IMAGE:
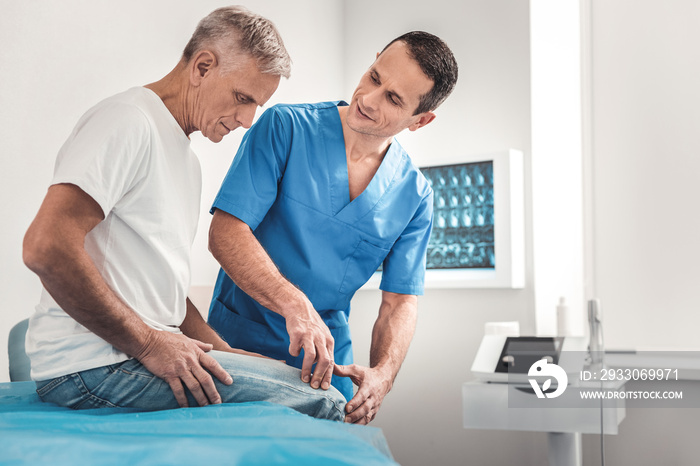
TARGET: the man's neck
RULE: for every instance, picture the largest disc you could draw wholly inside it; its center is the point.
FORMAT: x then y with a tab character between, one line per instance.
173	91
364	154
359	146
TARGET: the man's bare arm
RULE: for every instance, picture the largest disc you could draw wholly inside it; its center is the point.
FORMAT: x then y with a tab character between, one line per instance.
54	249
195	327
247	263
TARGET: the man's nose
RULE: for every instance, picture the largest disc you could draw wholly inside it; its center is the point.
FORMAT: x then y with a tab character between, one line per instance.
371	99
246	117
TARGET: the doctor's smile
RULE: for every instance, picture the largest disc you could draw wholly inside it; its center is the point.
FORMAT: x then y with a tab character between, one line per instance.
363	114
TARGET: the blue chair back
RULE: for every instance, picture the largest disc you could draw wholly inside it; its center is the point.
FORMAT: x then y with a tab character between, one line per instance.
19	361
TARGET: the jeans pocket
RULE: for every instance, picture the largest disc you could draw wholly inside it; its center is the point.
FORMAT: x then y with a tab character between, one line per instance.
70	391
131	385
44	387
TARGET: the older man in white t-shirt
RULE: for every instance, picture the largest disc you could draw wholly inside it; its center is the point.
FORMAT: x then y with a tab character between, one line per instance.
111	241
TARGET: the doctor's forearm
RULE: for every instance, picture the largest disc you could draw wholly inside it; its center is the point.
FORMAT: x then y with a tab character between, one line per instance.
234	246
393	332
243	259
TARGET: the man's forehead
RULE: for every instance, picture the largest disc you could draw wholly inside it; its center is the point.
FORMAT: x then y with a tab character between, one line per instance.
397	50
247	79
396	62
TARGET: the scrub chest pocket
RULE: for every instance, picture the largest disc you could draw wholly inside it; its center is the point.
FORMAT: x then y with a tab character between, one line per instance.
362	264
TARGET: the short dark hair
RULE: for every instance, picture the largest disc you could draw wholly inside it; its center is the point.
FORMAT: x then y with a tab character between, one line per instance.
437	62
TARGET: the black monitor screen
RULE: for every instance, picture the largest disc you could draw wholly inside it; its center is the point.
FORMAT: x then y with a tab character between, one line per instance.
519	353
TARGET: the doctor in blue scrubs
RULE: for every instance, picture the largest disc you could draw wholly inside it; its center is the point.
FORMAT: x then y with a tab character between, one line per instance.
317	198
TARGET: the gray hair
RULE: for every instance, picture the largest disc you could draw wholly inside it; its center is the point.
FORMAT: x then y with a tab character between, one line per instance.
234	32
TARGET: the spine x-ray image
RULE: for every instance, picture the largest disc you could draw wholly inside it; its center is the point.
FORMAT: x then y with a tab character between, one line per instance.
463	229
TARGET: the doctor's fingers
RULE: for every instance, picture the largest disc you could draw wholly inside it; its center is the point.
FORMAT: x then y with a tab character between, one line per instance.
363	413
322	374
309	359
326	383
324	367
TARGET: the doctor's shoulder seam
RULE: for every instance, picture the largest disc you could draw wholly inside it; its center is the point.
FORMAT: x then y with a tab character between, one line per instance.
292	110
308	106
300	116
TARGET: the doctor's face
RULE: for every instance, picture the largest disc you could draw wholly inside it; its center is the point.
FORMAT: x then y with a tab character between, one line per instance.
384	102
228	101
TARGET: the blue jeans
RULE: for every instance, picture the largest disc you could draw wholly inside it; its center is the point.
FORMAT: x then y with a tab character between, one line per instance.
130	385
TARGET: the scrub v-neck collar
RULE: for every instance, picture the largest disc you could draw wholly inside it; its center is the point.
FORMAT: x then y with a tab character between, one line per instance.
342	208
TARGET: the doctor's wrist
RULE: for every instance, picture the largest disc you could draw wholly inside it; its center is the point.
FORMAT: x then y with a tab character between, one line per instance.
385	375
297	306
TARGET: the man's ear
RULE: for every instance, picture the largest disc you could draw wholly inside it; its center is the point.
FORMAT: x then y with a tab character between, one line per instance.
423	119
201	65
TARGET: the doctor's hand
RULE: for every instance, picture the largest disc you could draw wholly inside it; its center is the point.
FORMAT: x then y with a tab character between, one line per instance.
373	385
308	331
179	360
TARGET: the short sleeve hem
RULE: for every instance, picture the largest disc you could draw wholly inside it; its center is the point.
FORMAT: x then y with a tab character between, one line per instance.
88	188
402	288
237	211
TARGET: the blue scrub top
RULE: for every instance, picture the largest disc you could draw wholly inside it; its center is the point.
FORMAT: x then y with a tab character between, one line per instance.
289	183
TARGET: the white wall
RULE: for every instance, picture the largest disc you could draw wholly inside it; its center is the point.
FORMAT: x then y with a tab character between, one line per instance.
60	58
645	166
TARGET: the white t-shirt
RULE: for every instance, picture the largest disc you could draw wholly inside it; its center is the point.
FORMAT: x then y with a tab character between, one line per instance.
131	156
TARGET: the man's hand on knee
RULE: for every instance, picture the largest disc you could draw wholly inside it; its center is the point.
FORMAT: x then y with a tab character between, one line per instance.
179	360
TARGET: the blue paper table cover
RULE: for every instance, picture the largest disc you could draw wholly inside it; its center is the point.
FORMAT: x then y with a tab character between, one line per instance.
33	432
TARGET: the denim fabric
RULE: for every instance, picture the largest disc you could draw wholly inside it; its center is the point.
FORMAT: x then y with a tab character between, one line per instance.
130	385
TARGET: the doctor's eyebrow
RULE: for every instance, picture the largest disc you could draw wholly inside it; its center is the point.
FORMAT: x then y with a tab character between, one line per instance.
374	74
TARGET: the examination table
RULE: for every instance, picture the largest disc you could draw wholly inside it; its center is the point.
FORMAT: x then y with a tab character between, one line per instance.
33	432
